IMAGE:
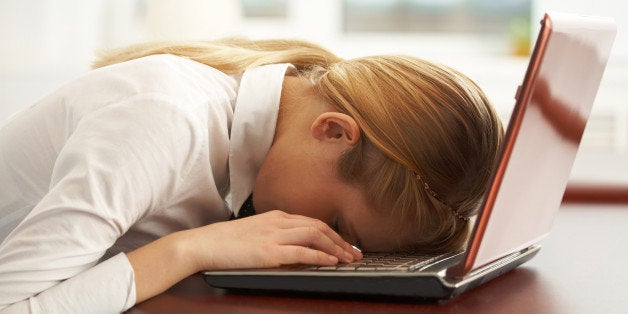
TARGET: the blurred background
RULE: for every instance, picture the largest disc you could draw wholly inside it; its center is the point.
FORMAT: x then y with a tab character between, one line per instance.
48	42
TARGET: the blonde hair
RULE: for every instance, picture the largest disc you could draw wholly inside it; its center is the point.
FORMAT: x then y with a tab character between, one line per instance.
427	129
431	140
229	55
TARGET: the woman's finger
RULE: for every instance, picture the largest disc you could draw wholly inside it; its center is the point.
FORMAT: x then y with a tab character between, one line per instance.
312	237
295	254
284	220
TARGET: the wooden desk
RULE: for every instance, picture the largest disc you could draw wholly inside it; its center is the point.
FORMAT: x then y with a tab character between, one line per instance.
582	268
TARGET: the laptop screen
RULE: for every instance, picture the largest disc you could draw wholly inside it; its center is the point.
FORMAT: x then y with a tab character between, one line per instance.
543	135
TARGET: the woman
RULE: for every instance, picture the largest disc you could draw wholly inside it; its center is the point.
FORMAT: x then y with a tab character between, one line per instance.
121	183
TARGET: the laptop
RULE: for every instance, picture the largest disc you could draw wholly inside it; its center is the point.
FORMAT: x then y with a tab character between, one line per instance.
552	107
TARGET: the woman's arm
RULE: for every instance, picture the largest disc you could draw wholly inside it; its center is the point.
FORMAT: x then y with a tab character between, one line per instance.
266	240
120	163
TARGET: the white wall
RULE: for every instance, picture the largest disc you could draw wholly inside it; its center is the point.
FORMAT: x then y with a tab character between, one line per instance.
44	42
48	42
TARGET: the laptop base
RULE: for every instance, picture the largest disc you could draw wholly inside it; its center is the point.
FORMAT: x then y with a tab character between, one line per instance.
422	285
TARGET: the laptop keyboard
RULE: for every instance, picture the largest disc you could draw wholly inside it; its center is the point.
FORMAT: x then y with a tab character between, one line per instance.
385	262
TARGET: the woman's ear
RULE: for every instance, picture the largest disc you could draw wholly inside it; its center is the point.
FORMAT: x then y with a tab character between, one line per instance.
336	127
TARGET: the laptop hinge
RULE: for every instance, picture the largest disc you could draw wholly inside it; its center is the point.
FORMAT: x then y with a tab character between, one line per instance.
479	271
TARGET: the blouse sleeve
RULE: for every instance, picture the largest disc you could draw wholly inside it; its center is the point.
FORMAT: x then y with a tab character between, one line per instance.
121	163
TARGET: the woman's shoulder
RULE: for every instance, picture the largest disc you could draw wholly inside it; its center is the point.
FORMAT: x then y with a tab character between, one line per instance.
188	85
169	74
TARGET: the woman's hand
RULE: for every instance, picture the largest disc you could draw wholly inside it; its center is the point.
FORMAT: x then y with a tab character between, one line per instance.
266	240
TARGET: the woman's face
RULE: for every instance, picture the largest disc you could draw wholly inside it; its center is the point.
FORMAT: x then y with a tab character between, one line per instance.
299	176
297	185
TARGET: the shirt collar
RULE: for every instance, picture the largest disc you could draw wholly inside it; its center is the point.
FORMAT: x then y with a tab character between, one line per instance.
253	127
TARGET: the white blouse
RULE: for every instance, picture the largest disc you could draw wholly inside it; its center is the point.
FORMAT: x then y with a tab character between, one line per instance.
116	159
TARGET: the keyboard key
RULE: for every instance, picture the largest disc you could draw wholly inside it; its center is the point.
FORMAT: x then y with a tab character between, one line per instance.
327	268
